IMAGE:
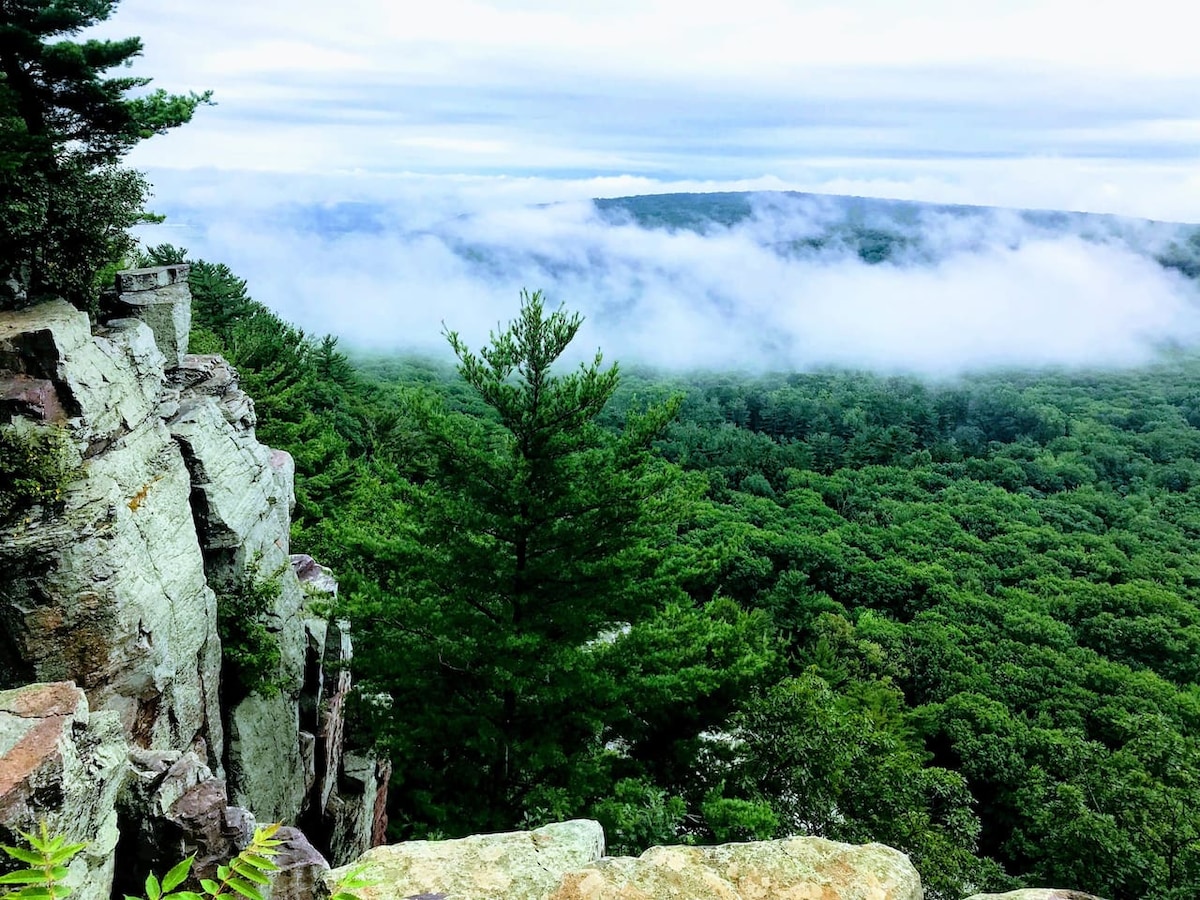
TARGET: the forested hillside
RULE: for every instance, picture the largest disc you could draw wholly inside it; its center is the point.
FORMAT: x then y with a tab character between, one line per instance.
958	617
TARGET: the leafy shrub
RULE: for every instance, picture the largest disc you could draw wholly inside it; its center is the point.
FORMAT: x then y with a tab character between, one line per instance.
35	467
245	875
639	815
249	648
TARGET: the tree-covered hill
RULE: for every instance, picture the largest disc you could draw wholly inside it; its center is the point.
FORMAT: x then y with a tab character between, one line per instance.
958	617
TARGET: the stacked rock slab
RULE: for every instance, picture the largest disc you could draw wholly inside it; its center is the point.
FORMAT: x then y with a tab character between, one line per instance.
62	765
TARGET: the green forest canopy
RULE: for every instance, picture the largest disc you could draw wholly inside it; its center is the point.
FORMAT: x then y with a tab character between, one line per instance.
959	618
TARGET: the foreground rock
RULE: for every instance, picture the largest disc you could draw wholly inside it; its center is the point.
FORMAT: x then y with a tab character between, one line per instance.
518	865
63	766
803	868
173	806
1037	894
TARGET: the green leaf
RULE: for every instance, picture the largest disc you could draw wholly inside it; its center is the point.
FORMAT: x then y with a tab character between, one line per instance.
259	862
24	876
64	854
29	856
246	890
210	886
178	874
249	872
153	889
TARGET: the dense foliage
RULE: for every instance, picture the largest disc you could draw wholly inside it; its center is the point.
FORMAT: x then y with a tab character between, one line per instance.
64	128
957	617
250	652
36	463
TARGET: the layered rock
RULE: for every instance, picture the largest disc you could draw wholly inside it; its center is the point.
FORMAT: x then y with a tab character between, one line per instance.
114	588
62	765
110	593
800	868
1036	894
159	296
519	865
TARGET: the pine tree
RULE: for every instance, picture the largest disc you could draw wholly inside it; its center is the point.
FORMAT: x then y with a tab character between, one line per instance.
535	532
64	127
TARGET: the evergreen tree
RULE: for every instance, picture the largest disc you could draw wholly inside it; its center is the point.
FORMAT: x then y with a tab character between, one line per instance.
64	127
535	534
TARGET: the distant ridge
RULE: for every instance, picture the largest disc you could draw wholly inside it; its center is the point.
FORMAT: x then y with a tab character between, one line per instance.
899	231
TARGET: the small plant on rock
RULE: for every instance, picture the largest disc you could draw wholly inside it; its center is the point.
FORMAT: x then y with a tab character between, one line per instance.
35	468
249	648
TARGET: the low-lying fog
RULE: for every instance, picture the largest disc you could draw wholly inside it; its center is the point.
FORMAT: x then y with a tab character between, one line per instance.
782	287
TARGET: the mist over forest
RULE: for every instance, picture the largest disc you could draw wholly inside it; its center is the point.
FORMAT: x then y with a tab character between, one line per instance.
738	280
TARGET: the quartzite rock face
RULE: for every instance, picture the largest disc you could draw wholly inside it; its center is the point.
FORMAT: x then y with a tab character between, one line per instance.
110	592
518	865
241	499
64	766
802	868
113	588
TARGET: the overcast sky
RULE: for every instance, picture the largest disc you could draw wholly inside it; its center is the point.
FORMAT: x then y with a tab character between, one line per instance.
1082	104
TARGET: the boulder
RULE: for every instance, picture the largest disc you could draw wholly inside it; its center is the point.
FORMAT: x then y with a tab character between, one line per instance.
62	765
1036	894
105	384
173	806
301	868
802	868
521	865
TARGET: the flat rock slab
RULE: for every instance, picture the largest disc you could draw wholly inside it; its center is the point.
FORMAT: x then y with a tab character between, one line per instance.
1037	894
518	865
803	868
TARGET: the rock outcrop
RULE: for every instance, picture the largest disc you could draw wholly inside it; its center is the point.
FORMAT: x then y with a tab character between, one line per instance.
517	865
116	588
62	765
110	592
565	862
801	868
1036	894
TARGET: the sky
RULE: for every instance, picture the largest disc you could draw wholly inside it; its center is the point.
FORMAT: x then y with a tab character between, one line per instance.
1082	104
452	120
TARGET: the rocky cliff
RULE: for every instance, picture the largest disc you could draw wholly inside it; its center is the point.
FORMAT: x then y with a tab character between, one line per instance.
110	596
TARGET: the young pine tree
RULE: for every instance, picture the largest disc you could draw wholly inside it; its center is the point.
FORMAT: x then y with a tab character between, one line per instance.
533	532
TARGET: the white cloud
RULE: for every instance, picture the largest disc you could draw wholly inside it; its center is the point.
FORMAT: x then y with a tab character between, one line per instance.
1001	292
675	90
